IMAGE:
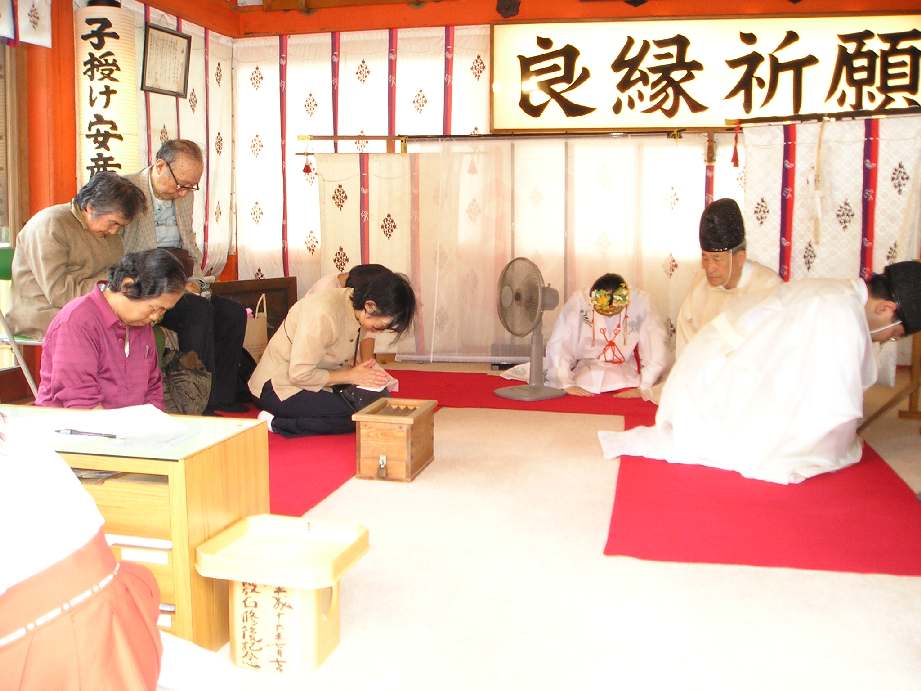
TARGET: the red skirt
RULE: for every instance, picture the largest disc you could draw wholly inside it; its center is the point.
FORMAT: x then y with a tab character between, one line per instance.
109	640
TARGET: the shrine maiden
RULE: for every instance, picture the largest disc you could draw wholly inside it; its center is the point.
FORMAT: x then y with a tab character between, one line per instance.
71	616
725	273
605	339
773	387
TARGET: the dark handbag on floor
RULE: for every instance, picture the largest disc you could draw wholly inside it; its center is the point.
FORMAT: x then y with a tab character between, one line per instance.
358	398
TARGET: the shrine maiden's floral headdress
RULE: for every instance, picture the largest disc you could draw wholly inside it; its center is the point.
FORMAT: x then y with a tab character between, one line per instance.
610	302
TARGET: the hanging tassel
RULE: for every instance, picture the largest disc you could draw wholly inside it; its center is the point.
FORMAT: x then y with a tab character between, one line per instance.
735	146
817	187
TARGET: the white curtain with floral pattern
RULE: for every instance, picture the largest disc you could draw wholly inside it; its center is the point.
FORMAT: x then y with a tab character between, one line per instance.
420	84
469	77
257	155
830	163
308	112
219	159
363	89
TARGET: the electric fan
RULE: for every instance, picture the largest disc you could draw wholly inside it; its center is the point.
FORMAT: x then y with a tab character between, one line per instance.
523	297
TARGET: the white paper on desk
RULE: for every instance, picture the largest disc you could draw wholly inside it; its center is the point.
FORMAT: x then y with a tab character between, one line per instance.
391	385
145	422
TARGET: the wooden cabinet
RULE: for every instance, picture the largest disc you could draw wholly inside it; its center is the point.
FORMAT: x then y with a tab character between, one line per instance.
168	499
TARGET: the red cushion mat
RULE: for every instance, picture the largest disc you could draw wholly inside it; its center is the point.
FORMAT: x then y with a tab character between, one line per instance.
862	519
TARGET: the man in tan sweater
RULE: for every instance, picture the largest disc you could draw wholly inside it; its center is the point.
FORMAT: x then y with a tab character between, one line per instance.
63	250
213	329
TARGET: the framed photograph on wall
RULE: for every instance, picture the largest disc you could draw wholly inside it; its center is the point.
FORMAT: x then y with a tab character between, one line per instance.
167	54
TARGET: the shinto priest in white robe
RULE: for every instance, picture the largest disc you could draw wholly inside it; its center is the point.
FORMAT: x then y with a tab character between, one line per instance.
771	388
704	301
599	353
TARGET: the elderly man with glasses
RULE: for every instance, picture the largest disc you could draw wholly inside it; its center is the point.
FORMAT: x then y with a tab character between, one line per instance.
212	329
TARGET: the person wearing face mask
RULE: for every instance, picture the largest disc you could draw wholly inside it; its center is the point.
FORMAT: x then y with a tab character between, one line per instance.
100	349
726	272
299	380
772	388
605	339
62	251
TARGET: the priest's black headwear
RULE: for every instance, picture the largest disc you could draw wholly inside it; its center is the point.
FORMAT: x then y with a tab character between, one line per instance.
905	285
721	226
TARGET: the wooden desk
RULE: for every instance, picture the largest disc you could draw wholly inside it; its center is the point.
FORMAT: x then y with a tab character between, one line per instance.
173	497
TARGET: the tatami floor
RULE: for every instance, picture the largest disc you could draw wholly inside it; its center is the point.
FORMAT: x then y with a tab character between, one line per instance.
487	573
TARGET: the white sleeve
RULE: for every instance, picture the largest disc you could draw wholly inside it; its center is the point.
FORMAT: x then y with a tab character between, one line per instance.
562	346
652	345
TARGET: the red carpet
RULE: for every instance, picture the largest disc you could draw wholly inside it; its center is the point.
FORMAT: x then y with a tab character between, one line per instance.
469	390
305	470
862	519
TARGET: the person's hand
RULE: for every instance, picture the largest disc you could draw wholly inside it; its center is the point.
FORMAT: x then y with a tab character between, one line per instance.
368	373
577	391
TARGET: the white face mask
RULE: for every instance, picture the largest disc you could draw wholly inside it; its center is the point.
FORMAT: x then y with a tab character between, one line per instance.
883	328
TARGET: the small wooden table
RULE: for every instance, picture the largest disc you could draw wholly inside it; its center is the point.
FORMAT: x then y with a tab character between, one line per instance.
169	499
909	389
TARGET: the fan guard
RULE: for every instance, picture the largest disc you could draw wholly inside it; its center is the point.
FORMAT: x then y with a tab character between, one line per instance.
523	297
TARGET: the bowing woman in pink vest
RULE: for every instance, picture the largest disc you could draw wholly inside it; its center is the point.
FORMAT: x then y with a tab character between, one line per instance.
100	349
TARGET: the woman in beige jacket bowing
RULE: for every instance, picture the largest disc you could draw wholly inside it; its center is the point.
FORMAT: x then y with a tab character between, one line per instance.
299	380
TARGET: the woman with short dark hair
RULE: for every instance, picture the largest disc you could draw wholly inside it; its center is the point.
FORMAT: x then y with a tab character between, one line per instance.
312	360
99	350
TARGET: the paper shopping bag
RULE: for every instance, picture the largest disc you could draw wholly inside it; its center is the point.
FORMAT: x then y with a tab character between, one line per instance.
257	335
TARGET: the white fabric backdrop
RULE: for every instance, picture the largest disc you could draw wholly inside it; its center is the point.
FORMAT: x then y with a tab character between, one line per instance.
363	80
257	155
420	81
221	219
309	111
470	81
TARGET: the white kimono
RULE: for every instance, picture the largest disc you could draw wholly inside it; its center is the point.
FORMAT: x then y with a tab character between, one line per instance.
704	301
772	388
603	356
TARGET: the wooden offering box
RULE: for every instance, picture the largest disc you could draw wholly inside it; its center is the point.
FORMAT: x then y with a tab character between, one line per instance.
395	439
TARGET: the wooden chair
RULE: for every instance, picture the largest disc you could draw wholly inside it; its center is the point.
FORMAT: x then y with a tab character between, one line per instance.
8	337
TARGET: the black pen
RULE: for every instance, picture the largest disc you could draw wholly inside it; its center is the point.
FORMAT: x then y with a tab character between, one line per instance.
85	434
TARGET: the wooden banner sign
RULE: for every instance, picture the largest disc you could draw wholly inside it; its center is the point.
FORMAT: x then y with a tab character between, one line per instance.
701	73
107	93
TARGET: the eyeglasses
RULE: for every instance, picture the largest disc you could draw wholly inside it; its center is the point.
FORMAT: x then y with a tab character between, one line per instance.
179	186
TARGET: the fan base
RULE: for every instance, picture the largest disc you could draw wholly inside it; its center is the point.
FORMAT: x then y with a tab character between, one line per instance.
529	392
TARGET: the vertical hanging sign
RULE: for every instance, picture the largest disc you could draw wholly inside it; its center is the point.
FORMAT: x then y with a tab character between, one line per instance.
106	66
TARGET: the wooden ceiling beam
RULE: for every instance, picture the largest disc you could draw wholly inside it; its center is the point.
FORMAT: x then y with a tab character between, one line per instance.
258	21
215	15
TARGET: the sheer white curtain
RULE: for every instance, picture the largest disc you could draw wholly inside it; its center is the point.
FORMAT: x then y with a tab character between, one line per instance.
460	210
